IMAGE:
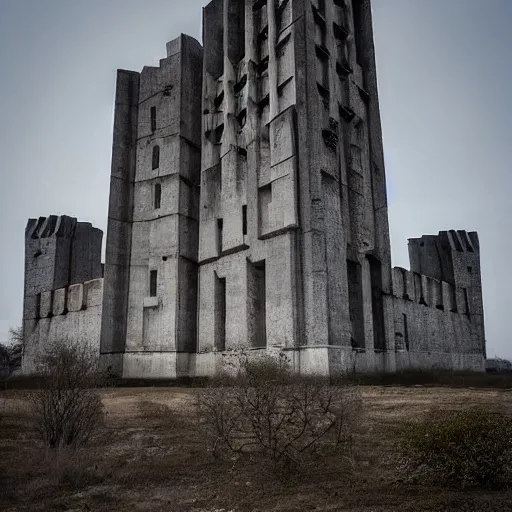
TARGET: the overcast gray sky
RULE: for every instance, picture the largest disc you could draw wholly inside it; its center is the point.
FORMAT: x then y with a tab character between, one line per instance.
445	74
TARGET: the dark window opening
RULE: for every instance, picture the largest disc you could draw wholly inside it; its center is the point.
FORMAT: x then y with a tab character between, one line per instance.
244	219
356	307
330	139
263	35
263	103
153	280
322	52
259	4
220	227
242	118
220	313
153	119
343	69
155	161
470	270
239	87
262	66
321	6
347	114
340	33
158	196
406	332
37	254
257	293
377	304
219	131
218	100
242	152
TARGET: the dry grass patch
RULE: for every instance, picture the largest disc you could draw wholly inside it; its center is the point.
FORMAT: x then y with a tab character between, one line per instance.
148	460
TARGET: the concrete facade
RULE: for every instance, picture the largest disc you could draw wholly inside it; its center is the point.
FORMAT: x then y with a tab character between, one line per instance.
248	209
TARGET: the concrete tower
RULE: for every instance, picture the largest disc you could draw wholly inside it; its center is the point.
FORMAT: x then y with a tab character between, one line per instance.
150	300
62	256
294	241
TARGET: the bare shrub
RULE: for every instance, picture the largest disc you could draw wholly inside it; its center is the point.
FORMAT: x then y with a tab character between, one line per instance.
265	408
68	409
468	448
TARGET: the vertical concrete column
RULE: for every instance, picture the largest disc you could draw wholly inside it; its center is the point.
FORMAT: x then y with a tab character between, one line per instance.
117	263
272	58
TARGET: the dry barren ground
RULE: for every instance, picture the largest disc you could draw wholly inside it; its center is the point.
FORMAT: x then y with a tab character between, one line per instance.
152	457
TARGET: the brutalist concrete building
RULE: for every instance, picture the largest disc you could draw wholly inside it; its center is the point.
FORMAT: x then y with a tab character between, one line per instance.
248	210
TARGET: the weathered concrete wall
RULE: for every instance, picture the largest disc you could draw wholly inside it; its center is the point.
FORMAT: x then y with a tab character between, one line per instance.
69	315
248	252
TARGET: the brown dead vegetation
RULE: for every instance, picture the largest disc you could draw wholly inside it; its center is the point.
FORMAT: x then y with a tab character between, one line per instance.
153	456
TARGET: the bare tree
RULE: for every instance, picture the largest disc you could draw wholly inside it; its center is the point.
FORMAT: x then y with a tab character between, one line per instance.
69	410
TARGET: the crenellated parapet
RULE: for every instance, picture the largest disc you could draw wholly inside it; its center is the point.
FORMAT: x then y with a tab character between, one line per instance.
74	298
424	290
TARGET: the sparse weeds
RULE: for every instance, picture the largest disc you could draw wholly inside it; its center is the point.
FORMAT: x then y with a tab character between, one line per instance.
264	408
468	448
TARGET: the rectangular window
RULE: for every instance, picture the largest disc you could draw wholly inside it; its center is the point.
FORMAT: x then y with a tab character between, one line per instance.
153	281
155	160
153	119
244	219
158	195
406	332
356	305
256	289
379	338
220	313
220	225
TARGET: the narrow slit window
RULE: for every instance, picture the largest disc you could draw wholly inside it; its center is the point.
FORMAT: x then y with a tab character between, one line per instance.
220	225
153	119
244	219
156	158
153	281
220	313
158	196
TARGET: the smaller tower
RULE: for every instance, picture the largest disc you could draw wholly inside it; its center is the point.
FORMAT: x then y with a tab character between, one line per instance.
59	252
454	257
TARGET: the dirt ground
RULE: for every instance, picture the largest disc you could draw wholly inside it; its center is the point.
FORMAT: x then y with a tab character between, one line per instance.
153	457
